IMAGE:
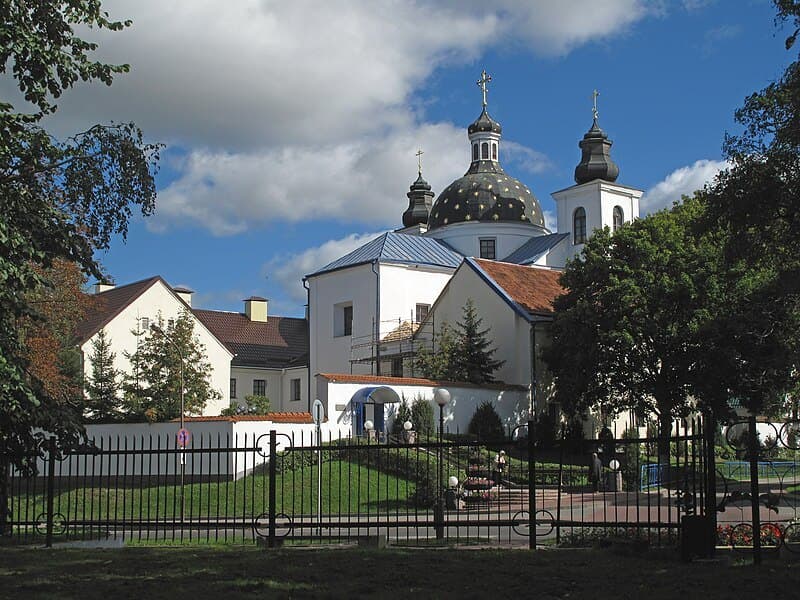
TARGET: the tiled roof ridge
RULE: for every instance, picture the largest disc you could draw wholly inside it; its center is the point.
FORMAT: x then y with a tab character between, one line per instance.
385	380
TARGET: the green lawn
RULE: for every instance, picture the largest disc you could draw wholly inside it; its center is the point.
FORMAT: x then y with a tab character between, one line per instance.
155	573
347	488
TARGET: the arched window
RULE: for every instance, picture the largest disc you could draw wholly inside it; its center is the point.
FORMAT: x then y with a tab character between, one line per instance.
485	150
474	151
618	218
579	225
494	151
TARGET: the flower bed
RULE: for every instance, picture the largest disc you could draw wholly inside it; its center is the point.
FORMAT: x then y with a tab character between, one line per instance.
478	483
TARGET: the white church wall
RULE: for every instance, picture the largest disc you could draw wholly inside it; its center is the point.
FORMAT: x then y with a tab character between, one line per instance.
509	333
598	198
329	352
465	237
158	299
403	287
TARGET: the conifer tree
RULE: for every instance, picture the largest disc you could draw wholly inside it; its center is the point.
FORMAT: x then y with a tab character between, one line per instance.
156	393
102	388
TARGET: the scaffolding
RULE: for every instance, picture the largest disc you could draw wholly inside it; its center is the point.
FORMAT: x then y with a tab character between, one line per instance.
390	341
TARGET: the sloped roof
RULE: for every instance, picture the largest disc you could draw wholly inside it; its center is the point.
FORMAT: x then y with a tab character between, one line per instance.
534	248
278	343
405	330
392	247
386	380
530	288
110	303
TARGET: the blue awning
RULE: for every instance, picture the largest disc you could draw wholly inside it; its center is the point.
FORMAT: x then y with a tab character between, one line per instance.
375	395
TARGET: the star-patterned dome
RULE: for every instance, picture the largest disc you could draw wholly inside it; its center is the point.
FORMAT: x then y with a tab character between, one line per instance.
485	194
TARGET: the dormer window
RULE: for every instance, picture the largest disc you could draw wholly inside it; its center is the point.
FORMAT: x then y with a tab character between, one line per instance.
579	226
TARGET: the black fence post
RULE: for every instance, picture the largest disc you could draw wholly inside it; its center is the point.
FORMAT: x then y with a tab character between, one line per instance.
51	479
273	459
710	434
754	500
531	488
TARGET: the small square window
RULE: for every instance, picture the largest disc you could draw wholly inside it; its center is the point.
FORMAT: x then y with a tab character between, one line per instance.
145	323
488	248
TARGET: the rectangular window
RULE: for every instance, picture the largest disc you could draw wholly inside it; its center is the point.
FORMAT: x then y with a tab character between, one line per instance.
233	388
171	323
397	367
295	390
343	319
259	387
488	248
422	312
145	323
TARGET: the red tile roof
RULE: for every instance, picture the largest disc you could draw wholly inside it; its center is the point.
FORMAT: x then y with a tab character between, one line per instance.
279	342
276	417
110	303
532	288
384	380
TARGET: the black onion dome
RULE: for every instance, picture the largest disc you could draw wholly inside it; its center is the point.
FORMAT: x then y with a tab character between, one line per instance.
487	194
419	203
596	160
484	123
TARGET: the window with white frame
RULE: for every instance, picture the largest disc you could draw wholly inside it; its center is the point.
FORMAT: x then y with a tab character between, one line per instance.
618	218
144	323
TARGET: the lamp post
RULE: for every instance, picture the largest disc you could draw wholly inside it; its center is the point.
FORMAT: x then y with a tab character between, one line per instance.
159	331
442	398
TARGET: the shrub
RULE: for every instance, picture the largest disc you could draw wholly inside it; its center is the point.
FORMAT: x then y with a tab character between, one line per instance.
402	415
253	405
422	417
486	423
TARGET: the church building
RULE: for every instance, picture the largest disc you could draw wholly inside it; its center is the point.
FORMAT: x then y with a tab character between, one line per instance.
484	239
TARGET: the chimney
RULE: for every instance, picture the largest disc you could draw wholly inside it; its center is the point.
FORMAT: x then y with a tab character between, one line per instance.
255	308
184	293
103	286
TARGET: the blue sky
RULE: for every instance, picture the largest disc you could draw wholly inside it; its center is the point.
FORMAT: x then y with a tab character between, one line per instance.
291	127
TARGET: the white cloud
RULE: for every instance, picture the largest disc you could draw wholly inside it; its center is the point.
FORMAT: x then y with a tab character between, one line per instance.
555	28
551	220
526	158
683	181
289	270
360	181
258	74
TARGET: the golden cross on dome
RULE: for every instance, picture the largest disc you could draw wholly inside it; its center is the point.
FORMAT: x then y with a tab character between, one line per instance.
419	160
485	78
595	94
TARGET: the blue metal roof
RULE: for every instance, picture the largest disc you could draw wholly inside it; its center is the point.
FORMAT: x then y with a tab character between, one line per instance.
401	248
534	248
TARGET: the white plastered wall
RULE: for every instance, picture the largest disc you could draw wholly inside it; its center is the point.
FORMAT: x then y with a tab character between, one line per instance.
598	198
465	237
159	299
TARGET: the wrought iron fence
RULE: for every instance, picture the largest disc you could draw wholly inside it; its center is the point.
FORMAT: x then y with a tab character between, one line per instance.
458	490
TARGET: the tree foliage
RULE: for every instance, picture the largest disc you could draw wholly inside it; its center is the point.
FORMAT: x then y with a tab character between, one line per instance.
103	386
162	359
627	333
486	423
461	354
757	200
59	199
422	417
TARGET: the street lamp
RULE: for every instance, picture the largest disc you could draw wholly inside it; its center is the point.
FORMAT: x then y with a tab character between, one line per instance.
159	331
442	398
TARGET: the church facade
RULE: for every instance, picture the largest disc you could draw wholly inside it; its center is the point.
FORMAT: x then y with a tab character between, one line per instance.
484	239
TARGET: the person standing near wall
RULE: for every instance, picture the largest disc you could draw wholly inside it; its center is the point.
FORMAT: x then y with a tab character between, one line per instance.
595	472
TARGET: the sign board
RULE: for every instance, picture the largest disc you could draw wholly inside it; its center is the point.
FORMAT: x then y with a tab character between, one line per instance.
317	411
183	437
